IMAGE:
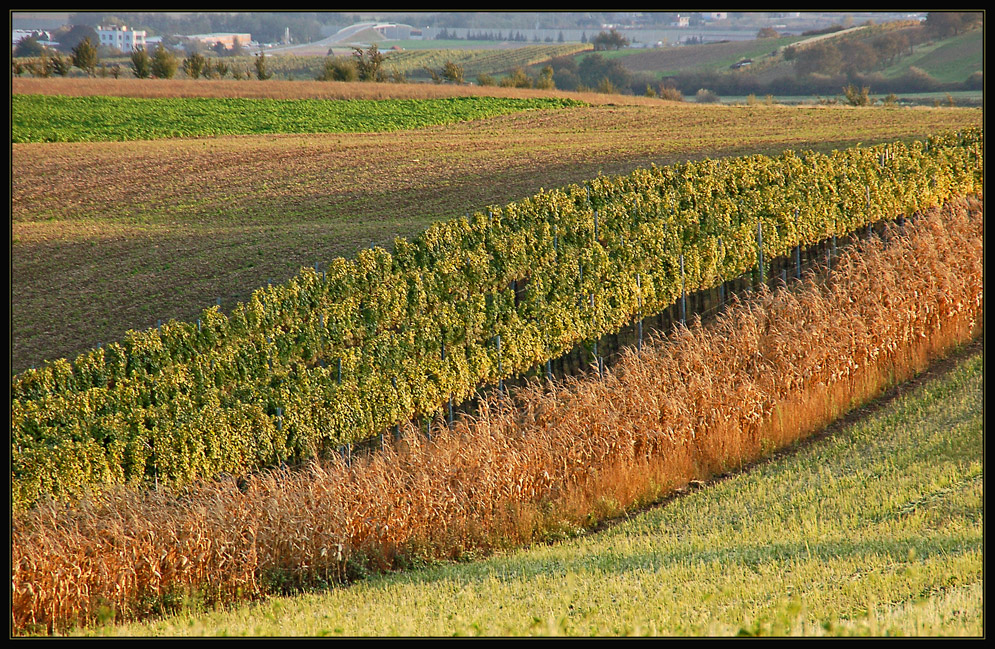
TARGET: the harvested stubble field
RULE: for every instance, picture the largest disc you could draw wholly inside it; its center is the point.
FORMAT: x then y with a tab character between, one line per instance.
771	370
112	236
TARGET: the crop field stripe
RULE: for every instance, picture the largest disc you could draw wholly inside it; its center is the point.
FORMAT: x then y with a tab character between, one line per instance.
874	529
152	408
46	118
557	458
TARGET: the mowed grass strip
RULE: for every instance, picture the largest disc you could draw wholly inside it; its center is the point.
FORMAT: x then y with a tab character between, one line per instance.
46	118
874	529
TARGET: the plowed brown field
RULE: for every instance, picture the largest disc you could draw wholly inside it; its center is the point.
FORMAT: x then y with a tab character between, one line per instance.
112	236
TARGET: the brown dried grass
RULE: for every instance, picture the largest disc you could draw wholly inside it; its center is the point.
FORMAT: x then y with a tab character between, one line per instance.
552	458
277	89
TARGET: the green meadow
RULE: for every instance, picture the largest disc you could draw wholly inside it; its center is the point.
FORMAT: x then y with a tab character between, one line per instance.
57	118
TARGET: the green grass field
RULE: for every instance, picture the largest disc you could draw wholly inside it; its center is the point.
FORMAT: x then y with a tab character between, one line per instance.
46	118
948	60
716	57
875	528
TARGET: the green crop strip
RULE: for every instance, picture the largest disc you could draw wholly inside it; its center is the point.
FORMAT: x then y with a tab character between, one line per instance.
340	356
41	118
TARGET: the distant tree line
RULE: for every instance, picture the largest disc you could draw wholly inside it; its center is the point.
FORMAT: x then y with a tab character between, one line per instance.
592	72
499	36
916	80
445	35
852	56
822	68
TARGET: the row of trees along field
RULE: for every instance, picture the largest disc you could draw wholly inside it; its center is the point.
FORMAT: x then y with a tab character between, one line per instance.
162	63
344	353
857	53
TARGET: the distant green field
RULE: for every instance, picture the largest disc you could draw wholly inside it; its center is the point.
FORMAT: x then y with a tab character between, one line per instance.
950	60
717	57
478	61
875	530
46	118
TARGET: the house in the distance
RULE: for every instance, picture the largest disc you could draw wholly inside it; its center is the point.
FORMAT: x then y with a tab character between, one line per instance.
120	37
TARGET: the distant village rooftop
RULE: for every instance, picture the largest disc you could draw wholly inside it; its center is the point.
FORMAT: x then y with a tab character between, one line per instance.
225	38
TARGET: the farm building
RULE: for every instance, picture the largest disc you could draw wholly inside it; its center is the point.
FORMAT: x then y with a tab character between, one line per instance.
225	38
397	32
120	37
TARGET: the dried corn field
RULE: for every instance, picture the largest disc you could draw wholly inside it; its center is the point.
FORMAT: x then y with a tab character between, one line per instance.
553	458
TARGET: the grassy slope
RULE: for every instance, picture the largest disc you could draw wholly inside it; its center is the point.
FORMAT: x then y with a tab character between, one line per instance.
952	59
106	237
875	529
697	58
949	60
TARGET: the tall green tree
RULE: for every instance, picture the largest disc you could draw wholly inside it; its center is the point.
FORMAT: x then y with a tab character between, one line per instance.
84	56
74	35
61	65
42	67
857	96
221	69
891	45
370	63
943	24
262	73
818	58
452	72
195	65
28	46
545	79
337	69
141	63
610	41
164	63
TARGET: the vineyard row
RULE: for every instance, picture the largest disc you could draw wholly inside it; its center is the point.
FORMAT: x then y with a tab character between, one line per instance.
341	355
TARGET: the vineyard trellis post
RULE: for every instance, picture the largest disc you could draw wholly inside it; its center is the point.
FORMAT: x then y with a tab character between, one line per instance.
397	426
760	251
798	250
683	294
500	370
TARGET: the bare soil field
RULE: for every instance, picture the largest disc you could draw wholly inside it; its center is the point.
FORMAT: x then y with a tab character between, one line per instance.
107	237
